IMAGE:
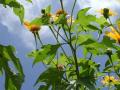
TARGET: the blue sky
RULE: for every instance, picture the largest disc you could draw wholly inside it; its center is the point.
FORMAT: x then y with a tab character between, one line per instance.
13	33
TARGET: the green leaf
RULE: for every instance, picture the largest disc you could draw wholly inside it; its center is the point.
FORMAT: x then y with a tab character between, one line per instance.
13	79
14	4
102	22
18	9
118	54
19	12
84	19
61	19
107	42
37	21
62	60
85	39
92	27
51	76
46	54
88	68
44	87
48	9
29	1
107	63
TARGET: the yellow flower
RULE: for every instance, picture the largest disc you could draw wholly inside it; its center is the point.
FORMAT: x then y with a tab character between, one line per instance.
54	18
107	80
114	35
31	27
59	12
60	67
106	12
69	19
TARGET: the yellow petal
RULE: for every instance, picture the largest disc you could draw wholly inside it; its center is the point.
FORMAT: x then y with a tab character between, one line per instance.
115	32
111	35
112	13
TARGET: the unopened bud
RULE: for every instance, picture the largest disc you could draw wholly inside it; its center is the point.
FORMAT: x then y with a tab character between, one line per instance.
109	51
43	11
60	67
106	13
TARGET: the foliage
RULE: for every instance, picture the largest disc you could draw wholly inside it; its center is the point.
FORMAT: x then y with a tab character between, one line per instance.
13	78
73	70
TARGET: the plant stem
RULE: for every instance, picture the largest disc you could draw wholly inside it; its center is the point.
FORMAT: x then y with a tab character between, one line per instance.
38	36
65	32
75	58
35	40
58	33
61	2
113	65
58	42
76	63
72	12
71	46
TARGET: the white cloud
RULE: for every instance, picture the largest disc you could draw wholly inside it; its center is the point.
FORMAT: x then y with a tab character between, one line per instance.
12	22
98	4
32	10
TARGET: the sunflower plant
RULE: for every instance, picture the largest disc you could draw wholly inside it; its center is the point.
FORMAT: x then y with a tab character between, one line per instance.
72	63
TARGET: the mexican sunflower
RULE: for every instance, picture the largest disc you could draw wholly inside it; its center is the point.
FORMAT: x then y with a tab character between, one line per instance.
34	29
114	34
109	80
31	27
55	17
106	12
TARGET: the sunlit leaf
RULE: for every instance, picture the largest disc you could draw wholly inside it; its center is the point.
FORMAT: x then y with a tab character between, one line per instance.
84	19
29	1
17	7
46	53
19	12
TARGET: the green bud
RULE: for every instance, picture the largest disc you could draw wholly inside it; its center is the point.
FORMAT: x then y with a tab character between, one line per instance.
106	13
109	51
43	11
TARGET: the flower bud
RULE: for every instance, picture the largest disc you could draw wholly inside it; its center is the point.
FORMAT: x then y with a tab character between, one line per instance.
109	51
106	13
60	67
43	11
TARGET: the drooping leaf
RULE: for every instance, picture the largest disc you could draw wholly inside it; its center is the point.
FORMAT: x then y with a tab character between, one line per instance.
19	12
18	9
13	78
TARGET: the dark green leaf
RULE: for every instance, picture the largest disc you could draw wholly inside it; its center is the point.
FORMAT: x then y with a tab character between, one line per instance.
51	77
107	42
13	79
